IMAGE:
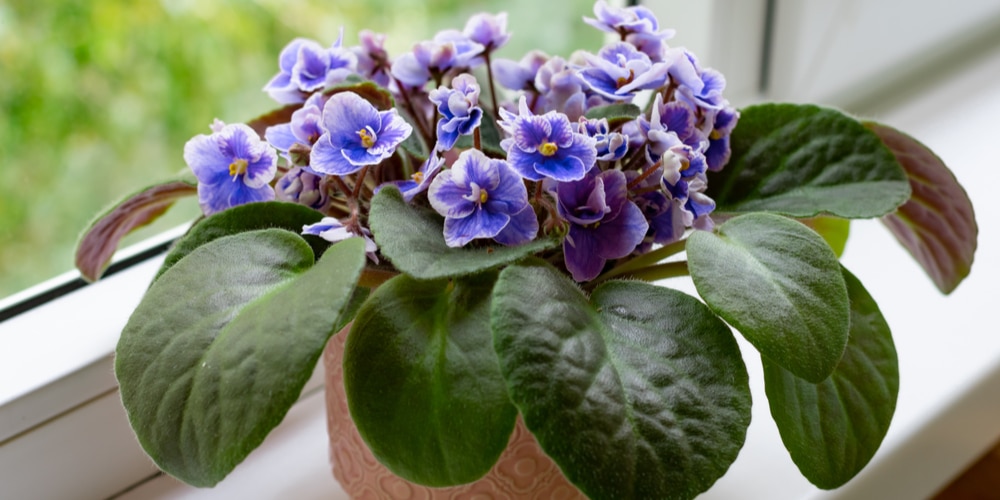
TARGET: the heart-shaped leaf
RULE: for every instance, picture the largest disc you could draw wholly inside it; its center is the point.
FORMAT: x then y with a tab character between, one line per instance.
640	392
803	160
780	285
222	344
832	429
422	380
101	238
242	218
937	225
413	240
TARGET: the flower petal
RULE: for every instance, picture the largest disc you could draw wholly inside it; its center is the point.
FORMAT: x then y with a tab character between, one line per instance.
480	224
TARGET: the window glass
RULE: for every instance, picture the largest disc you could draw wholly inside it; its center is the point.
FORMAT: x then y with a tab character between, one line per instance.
99	97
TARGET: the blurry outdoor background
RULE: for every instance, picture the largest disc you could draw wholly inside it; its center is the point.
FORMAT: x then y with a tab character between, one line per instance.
98	97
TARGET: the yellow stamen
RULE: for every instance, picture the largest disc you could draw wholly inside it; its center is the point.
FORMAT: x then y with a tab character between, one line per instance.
548	148
685	163
715	135
625	81
418	177
237	167
483	196
367	139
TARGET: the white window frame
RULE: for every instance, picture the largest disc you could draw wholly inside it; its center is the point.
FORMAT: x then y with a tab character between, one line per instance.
63	432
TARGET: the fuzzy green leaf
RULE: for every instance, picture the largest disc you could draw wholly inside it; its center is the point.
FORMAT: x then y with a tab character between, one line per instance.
422	380
413	240
779	284
222	344
803	161
832	429
242	218
638	392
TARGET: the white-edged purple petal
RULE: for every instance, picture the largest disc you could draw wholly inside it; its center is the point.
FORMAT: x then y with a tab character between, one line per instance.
280	136
450	198
480	224
327	158
347	113
522	228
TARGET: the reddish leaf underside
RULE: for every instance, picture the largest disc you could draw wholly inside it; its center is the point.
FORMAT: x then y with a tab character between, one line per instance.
937	224
101	239
276	117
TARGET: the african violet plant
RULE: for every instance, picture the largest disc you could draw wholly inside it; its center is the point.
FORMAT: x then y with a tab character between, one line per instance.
498	221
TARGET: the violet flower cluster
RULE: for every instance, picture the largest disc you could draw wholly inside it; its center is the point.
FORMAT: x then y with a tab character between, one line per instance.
607	151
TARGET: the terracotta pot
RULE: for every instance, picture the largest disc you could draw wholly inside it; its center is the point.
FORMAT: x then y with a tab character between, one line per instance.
522	472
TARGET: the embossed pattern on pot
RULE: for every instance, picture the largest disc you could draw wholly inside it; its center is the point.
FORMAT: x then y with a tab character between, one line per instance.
522	472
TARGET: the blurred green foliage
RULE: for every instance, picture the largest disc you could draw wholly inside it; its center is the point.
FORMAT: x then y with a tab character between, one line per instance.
98	97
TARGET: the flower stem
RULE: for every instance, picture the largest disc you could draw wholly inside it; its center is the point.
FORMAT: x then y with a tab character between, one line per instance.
493	90
359	182
644	175
645	261
419	120
661	271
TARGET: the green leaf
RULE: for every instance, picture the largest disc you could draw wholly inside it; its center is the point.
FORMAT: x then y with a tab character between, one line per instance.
802	161
616	114
99	241
832	429
242	218
937	225
779	284
222	344
640	392
834	231
413	240
422	380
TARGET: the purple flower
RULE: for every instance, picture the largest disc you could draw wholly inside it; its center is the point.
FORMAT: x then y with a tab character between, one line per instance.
356	135
619	70
546	145
519	75
233	167
611	146
333	230
373	60
449	49
561	89
305	127
604	224
723	123
305	66
636	25
481	197
680	159
303	187
421	180
459	109
488	30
